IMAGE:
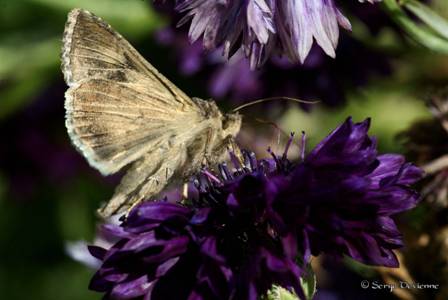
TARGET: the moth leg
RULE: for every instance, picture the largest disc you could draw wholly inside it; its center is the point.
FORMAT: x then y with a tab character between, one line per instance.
184	193
227	144
168	173
207	152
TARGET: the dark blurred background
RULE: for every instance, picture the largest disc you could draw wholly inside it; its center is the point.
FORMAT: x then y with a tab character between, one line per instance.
49	194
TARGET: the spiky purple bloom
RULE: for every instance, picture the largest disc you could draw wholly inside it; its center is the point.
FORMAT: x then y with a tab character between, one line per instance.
341	199
247	228
264	27
220	247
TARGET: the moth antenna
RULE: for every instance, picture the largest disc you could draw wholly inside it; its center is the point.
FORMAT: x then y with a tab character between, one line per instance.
277	128
273	124
273	98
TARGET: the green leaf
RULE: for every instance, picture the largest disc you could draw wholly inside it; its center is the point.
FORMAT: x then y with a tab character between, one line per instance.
30	46
421	34
365	271
20	93
280	293
427	15
25	57
132	18
308	282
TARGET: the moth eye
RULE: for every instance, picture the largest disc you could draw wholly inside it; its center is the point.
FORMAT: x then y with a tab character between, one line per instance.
226	122
231	124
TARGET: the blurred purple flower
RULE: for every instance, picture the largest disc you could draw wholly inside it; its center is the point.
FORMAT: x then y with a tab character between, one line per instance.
261	28
244	228
319	77
36	151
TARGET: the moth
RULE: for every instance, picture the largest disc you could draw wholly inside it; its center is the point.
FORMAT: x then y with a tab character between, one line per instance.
121	112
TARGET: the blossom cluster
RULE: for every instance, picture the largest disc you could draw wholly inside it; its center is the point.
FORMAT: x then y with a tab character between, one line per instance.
263	27
247	228
319	77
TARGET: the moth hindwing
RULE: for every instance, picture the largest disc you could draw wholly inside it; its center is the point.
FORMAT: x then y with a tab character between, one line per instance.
121	112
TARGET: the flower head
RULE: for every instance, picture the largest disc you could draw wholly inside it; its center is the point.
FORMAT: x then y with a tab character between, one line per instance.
344	194
221	246
263	27
319	77
254	226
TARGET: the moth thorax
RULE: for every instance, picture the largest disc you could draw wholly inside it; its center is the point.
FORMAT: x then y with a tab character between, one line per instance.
209	108
231	124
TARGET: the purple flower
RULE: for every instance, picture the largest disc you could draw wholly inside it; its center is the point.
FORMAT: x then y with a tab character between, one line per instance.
221	246
341	199
264	27
319	77
255	225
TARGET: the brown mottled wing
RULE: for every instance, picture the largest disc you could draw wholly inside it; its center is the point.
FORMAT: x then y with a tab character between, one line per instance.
120	110
118	105
93	49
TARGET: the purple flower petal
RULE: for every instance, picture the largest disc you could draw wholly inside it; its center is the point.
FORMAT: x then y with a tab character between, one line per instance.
264	27
131	289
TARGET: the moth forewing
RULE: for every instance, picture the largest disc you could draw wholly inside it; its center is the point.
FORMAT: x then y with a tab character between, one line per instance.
120	111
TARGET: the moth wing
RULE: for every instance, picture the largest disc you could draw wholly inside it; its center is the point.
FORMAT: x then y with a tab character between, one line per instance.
145	178
115	124
92	48
118	106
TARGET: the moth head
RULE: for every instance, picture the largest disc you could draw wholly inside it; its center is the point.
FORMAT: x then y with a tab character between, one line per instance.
231	124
